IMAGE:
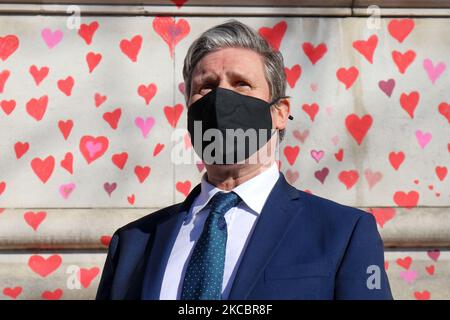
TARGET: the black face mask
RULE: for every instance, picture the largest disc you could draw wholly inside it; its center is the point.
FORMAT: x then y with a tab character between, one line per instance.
248	118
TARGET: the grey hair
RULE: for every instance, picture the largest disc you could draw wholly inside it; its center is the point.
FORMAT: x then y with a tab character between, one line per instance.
235	34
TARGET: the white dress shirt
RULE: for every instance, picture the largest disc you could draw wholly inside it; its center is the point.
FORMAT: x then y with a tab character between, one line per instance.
240	223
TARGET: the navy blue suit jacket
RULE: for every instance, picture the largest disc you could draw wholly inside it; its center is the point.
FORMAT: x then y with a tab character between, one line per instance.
302	247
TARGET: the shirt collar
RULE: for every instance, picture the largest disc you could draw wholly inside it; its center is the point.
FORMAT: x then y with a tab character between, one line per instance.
253	192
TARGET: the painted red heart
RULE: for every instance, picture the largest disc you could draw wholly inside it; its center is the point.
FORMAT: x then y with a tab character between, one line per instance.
66	85
409	102
170	31
93	148
120	159
274	36
99	99
67	162
179	3
44	266
347	76
444	109
404	262
406	200
434	254
87	275
157	149
400	29
37	107
311	110
382	215
403	60
4	75
8	106
348	178
422	295
301	136
43	168
314	53
441	172
339	155
109	187
396	159
131	47
147	92
292	176
65	127
131	199
367	48
358	127
105	240
173	114
87	31
8	45
20	148
430	269
183	187
291	153
52	295
293	74
142	172
2	189
113	117
93	59
12	292
38	74
34	219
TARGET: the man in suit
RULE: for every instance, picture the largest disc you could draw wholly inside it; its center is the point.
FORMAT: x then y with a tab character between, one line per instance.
244	232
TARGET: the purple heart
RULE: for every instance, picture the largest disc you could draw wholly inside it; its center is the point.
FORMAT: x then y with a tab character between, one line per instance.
110	187
387	86
321	175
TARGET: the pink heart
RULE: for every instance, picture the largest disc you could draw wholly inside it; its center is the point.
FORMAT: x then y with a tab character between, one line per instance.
335	140
145	125
301	135
317	155
66	189
408	275
423	138
292	176
387	86
434	72
329	110
93	148
434	254
109	187
372	177
313	87
51	38
200	166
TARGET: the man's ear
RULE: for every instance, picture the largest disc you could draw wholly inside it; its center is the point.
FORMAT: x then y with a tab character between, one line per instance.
281	110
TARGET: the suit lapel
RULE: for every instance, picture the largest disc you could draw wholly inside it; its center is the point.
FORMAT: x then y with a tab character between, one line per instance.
161	245
270	228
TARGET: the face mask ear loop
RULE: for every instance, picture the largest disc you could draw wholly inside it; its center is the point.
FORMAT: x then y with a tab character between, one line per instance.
276	100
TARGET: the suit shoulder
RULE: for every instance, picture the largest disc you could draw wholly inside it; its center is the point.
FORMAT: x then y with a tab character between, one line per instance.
149	220
332	210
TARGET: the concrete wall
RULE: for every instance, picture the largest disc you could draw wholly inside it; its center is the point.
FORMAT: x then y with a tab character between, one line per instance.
61	202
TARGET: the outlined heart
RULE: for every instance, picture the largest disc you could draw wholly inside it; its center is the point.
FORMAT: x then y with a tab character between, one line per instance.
93	148
171	31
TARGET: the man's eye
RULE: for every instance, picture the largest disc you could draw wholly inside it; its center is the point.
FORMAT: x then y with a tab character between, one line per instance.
243	84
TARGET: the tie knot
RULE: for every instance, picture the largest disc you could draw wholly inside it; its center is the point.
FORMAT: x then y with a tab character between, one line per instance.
223	201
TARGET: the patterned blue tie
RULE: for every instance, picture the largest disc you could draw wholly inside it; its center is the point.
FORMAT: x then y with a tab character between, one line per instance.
204	274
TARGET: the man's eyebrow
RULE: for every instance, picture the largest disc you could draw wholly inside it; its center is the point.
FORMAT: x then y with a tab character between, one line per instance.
236	74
